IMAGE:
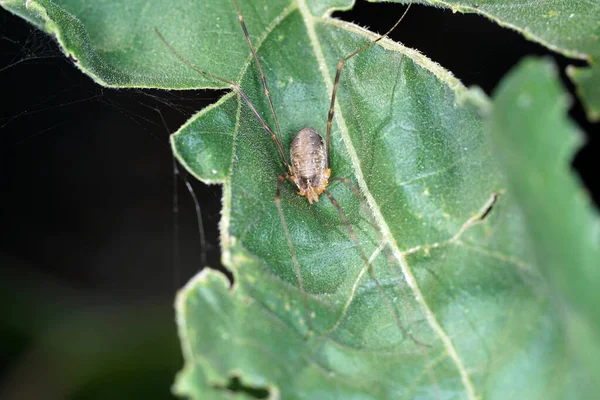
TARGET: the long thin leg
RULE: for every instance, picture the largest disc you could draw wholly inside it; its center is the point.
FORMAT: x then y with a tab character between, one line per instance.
361	199
338	72
370	269
282	178
233	86
367	211
262	75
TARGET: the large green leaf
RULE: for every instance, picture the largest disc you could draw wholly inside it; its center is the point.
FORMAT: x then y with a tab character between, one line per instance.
560	218
467	287
461	274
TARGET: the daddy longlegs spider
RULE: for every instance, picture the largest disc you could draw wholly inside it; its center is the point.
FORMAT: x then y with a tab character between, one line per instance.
308	167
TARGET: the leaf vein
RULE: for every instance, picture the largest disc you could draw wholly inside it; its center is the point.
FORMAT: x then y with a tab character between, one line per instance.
406	271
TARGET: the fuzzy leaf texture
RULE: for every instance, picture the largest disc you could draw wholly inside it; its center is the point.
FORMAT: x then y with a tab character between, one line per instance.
464	256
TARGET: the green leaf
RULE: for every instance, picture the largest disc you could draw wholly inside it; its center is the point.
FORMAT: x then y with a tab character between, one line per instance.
564	226
113	41
570	27
467	287
587	81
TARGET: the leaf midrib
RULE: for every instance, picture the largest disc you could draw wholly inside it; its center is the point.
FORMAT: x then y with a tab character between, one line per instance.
309	21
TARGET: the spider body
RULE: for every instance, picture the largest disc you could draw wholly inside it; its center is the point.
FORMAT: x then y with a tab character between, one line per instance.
308	168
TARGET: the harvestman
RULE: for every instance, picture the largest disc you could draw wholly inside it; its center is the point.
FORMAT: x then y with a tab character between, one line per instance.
308	167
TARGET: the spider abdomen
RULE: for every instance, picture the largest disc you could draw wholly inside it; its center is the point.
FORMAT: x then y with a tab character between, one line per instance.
309	168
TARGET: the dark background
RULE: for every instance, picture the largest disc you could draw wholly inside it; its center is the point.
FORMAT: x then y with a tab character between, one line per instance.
91	248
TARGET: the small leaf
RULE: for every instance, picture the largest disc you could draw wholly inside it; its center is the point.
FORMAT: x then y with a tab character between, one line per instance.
570	27
588	88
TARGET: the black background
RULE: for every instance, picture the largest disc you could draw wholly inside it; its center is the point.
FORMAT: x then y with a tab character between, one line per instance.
89	230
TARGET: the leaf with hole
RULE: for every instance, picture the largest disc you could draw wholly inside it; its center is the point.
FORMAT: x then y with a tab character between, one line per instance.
462	274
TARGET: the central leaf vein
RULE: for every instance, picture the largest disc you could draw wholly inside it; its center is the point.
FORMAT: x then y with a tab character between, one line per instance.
406	270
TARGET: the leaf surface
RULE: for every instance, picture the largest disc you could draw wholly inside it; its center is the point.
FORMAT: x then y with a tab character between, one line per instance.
536	154
570	27
454	254
468	288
